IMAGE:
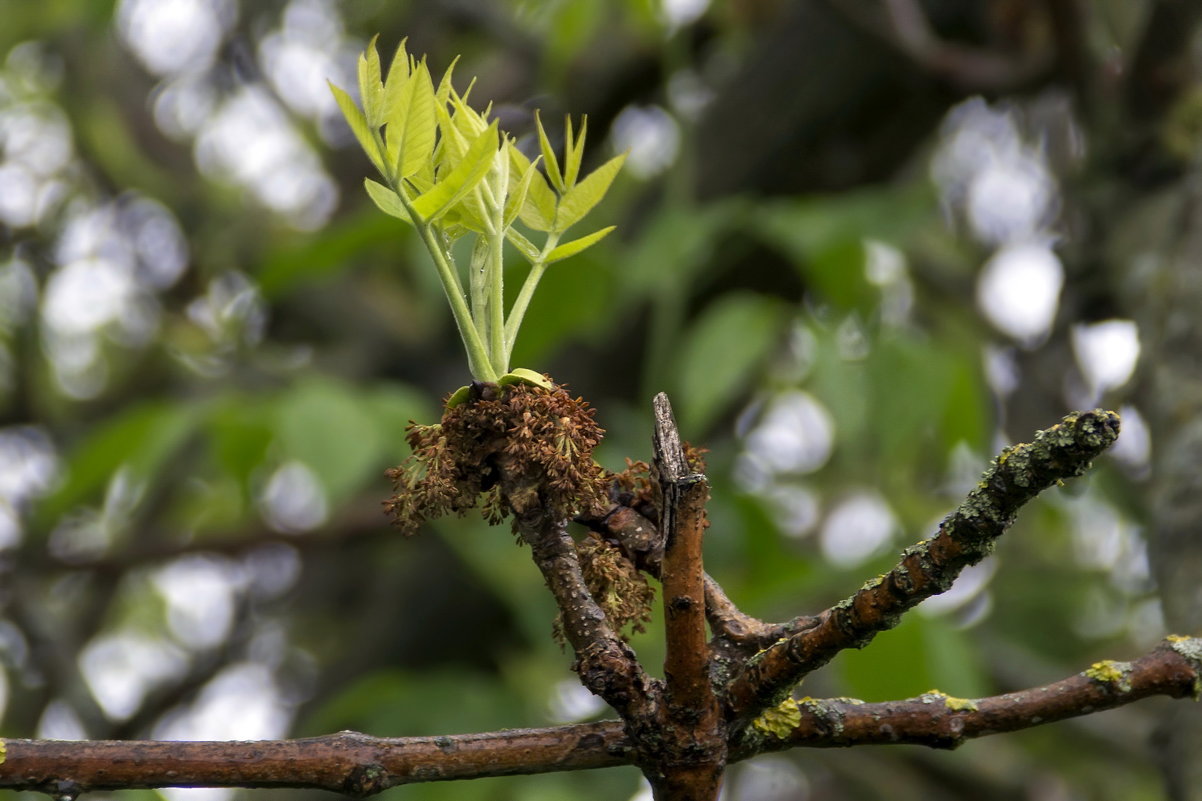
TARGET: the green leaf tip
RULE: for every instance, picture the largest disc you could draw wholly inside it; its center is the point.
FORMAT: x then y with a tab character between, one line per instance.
522	375
458	397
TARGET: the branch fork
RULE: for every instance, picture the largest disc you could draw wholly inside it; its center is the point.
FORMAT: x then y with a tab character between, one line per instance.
723	699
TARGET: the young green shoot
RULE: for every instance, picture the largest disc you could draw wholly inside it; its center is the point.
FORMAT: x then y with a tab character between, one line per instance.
450	172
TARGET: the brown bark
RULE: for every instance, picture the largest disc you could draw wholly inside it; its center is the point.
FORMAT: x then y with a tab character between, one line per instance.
694	738
357	764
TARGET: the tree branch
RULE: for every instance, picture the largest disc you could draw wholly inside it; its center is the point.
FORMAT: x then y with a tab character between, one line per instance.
686	667
695	734
965	537
358	764
607	666
347	762
1174	668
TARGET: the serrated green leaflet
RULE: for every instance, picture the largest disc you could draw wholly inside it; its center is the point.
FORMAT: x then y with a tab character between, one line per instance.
385	199
538	207
358	124
581	198
524	245
576	245
573	151
462	179
549	161
371	89
398	74
444	86
518	191
412	125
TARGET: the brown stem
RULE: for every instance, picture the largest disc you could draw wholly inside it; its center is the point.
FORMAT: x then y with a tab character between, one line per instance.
346	762
695	730
607	665
965	537
1174	669
361	765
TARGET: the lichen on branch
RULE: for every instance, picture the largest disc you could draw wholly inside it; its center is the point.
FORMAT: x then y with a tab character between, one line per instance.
965	537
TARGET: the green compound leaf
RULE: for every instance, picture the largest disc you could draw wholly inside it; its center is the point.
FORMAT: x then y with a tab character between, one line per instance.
412	123
386	200
358	123
581	198
444	86
462	179
576	245
552	164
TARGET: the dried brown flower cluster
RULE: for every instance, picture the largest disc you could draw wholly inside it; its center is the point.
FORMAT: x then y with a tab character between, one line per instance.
525	449
615	583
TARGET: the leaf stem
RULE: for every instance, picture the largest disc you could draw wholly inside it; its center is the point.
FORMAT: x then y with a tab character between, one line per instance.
514	323
496	295
477	354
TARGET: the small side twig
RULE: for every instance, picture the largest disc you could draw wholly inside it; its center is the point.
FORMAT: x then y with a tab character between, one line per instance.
964	538
1174	669
607	666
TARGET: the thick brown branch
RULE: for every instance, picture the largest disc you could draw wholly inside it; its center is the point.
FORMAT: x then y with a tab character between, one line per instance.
347	762
695	736
940	721
682	519
965	537
361	765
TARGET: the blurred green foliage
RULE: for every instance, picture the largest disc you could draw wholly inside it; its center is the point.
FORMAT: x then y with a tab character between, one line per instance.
313	341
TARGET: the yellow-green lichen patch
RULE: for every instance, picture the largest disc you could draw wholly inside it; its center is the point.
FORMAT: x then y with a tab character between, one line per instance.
780	720
1116	675
949	701
1190	648
3	751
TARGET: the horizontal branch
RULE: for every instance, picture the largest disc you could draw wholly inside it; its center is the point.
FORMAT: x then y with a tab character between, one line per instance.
965	537
358	764
347	762
1173	669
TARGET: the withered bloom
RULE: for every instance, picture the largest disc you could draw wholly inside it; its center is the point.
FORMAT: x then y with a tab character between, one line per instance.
526	448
